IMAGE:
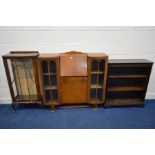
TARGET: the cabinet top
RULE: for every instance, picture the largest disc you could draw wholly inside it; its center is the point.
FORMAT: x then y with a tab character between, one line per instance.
113	61
21	54
93	55
97	55
49	55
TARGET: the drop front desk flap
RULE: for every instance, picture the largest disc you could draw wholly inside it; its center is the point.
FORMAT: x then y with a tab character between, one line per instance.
73	78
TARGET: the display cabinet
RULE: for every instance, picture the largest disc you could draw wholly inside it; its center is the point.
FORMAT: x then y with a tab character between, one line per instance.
22	75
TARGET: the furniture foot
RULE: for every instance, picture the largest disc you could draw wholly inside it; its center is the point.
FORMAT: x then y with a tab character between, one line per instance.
95	107
53	109
13	107
41	108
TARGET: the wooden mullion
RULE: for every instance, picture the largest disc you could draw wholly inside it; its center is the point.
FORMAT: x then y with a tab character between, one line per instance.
97	83
50	83
8	78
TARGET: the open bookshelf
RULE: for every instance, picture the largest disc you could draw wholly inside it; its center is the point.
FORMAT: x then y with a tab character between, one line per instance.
127	82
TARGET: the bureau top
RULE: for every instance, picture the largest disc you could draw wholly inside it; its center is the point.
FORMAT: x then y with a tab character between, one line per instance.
119	61
48	55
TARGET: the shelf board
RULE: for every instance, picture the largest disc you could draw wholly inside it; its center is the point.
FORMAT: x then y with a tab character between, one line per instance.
95	101
128	76
121	102
130	88
93	86
50	87
49	73
26	97
54	102
97	72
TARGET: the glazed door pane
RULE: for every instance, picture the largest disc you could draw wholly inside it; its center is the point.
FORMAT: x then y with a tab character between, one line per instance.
23	81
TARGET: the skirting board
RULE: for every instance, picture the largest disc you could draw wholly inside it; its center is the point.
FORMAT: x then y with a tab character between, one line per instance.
8	100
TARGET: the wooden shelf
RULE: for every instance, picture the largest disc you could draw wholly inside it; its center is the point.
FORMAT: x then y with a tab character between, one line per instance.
130	88
53	102
97	72
51	87
121	102
94	86
27	97
128	76
95	101
49	73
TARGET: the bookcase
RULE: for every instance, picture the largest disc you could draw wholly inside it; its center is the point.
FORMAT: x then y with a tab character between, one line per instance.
73	79
127	82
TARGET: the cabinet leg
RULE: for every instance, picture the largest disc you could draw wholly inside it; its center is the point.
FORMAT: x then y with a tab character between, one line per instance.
53	109
41	107
13	107
95	107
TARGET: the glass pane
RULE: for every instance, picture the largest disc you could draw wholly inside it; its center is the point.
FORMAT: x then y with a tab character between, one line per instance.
46	80
94	65
101	65
100	94
12	76
101	79
94	79
52	67
30	77
45	67
53	80
92	93
24	83
54	94
47	95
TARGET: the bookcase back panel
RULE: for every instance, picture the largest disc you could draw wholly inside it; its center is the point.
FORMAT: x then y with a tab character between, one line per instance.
128	70
125	82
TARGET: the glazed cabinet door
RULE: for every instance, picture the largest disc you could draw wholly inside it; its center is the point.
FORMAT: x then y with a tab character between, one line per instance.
97	75
49	71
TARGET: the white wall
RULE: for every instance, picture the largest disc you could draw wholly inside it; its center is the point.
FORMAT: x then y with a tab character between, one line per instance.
117	42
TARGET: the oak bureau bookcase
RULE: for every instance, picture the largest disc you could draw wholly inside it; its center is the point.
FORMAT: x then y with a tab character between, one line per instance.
76	79
73	78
